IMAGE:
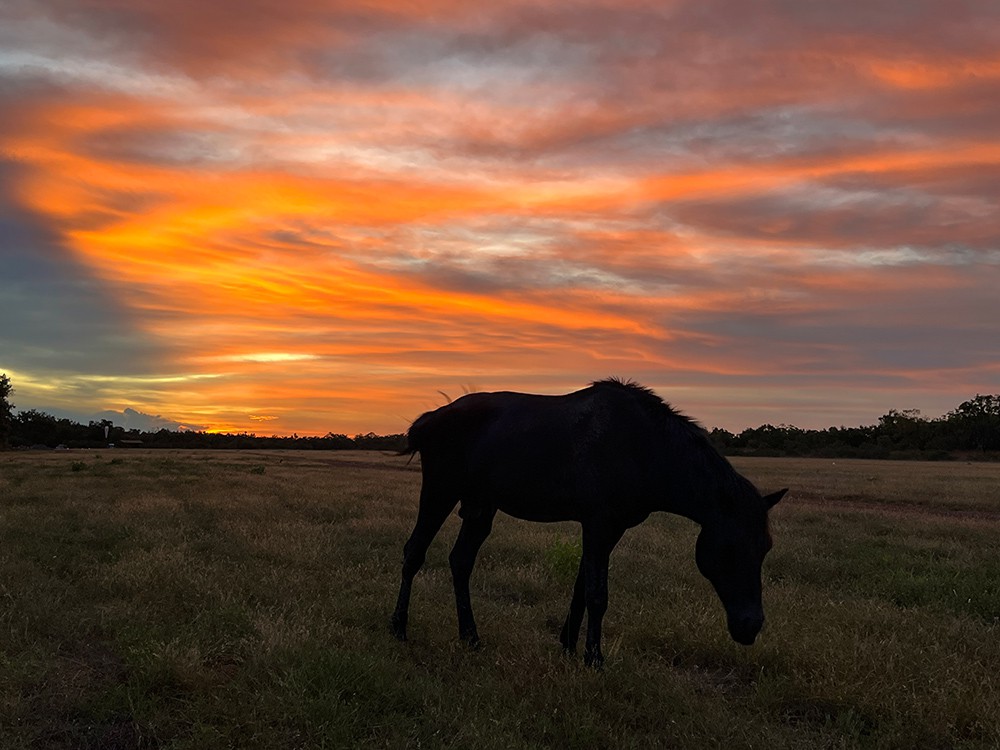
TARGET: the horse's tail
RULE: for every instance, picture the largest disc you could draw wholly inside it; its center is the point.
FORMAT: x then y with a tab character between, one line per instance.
416	435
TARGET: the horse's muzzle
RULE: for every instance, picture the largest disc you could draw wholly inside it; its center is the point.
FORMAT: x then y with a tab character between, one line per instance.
744	627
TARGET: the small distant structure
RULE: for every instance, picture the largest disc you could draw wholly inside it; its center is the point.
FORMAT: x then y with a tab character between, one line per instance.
129	443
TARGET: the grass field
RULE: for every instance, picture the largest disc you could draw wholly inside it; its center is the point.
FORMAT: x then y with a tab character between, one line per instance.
240	600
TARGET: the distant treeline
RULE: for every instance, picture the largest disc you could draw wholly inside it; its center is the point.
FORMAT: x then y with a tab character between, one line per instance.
35	429
972	430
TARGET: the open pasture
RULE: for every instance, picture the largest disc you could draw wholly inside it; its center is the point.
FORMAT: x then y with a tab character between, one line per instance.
241	599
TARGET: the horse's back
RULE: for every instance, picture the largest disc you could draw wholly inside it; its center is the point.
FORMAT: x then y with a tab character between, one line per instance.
544	458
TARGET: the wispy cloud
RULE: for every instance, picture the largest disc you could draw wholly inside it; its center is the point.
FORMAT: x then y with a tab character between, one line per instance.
323	213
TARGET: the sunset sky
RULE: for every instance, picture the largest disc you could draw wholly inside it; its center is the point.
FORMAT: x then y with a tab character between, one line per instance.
303	216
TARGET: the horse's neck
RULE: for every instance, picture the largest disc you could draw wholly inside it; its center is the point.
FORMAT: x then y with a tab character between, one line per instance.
691	506
695	497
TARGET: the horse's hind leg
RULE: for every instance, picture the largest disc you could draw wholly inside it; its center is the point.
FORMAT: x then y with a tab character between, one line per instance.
434	509
463	557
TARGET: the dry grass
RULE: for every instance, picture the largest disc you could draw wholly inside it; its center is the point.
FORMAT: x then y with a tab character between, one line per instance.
196	599
957	487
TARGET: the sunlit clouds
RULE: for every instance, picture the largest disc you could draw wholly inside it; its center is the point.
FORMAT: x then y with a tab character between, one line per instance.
310	217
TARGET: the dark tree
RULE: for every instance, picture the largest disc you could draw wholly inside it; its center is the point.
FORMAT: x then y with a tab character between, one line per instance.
977	422
35	427
6	409
903	430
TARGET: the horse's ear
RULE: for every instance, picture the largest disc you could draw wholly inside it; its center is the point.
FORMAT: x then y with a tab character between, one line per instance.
771	500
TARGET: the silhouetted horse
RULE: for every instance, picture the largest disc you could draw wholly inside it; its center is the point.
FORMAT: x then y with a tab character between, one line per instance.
606	456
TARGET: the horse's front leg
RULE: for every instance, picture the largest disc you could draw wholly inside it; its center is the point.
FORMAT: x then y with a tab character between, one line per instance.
571	628
597	546
462	559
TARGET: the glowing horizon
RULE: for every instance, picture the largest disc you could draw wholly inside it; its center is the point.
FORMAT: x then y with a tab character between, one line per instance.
305	217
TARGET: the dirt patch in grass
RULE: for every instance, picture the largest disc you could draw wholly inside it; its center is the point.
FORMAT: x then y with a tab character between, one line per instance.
866	505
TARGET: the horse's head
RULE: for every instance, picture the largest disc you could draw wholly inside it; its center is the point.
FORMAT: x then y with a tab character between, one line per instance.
730	551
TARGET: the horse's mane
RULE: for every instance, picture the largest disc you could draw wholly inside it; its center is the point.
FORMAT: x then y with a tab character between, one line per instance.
653	405
658	409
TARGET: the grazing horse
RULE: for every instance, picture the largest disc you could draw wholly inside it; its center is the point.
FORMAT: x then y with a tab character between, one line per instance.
605	456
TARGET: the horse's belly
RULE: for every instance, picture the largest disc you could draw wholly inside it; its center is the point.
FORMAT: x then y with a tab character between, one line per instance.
542	501
541	512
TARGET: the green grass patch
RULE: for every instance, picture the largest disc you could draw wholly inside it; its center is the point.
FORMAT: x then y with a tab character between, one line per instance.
563	557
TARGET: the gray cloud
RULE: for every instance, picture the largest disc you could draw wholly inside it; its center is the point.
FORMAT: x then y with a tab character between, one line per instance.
857	216
162	144
56	316
131	419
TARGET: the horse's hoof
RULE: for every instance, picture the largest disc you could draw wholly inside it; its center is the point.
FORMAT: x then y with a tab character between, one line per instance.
472	641
594	661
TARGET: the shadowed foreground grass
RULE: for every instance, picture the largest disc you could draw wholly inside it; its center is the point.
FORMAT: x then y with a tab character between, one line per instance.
213	600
